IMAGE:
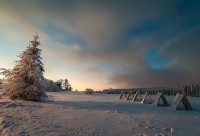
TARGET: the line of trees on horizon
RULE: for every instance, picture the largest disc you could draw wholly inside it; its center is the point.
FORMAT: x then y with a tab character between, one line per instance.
189	90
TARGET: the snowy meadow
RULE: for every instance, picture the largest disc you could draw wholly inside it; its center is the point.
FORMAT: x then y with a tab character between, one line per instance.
99	68
79	114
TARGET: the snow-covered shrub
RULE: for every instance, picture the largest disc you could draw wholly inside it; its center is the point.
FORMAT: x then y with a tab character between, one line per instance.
25	80
51	86
89	91
56	88
76	90
48	84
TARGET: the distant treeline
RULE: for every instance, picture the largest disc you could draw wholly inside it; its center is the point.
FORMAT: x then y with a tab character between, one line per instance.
189	90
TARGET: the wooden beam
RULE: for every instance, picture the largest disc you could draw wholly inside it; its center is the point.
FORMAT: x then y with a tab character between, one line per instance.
144	100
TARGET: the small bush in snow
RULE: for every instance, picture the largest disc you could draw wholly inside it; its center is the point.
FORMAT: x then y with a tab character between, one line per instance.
51	86
89	91
25	80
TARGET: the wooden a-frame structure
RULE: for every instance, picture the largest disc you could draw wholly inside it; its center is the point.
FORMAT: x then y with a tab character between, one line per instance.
160	96
136	95
130	95
178	99
145	100
123	95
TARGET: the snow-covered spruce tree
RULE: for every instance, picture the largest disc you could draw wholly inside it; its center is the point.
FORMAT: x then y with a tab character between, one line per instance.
25	80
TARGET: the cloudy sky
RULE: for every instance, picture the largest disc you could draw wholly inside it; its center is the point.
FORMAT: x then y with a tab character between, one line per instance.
107	43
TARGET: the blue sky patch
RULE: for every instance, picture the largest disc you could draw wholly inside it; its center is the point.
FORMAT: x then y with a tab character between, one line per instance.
153	60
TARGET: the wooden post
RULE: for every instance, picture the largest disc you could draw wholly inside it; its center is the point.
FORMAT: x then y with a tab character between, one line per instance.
144	98
186	103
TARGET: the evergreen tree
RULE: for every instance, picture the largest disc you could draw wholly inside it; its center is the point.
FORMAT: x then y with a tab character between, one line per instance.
25	81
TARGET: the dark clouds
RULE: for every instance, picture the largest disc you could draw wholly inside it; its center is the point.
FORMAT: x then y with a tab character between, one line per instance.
120	34
183	51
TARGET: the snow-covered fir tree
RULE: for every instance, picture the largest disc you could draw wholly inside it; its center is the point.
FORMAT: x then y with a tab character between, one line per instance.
25	81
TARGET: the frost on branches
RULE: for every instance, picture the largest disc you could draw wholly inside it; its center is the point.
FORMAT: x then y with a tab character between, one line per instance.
25	80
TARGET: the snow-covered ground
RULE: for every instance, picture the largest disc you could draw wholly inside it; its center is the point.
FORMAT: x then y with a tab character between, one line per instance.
78	114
